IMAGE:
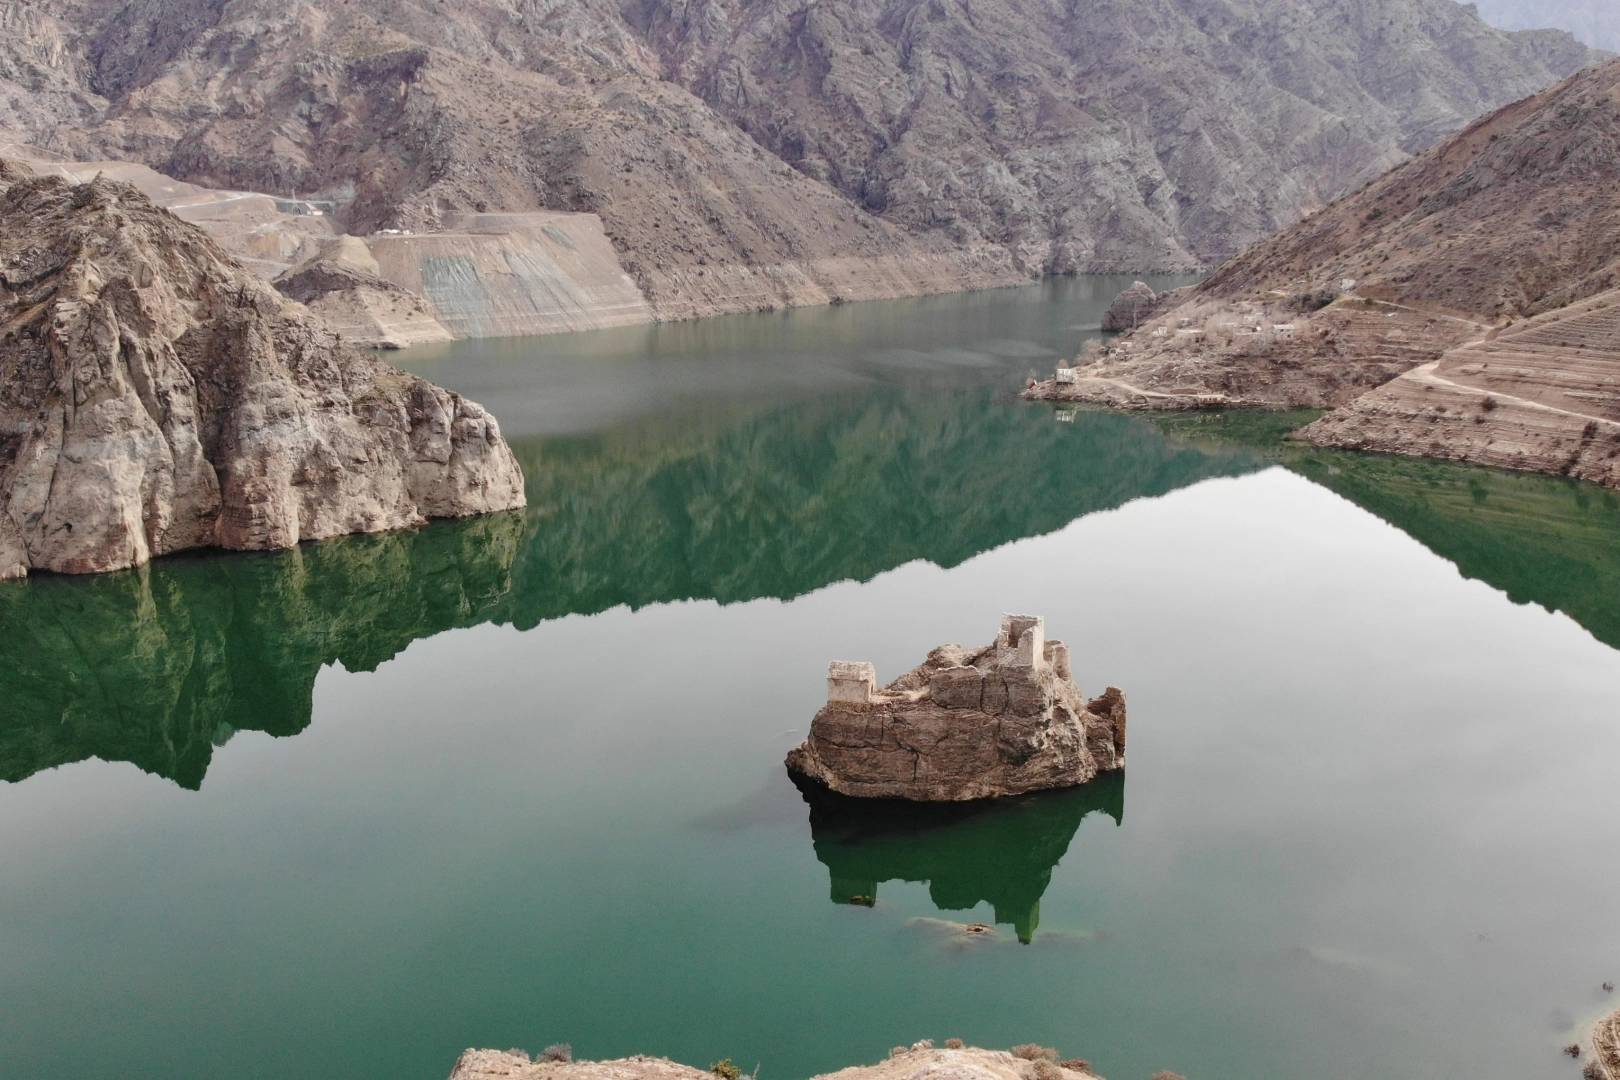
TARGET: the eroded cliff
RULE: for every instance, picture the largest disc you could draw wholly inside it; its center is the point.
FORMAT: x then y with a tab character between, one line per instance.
156	397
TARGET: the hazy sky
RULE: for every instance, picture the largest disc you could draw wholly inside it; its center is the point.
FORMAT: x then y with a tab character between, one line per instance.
1596	22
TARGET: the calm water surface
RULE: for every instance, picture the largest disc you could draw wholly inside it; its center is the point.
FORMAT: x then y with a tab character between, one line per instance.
346	810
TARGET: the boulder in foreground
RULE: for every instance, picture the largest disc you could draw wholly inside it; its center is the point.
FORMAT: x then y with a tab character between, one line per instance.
154	397
952	1063
1002	720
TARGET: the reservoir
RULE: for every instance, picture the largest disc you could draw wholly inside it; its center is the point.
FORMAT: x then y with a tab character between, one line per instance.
347	810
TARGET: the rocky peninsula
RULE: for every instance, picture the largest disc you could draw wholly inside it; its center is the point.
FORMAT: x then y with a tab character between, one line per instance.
954	1061
985	723
155	396
1464	306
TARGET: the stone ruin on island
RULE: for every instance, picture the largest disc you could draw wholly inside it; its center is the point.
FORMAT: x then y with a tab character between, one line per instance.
1004	719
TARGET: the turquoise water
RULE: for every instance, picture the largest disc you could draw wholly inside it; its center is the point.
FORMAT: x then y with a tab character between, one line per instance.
346	810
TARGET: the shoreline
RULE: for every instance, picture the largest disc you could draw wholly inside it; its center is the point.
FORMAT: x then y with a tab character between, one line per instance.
954	1059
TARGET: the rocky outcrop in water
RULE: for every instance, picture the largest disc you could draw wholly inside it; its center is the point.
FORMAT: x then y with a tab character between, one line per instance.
156	397
966	724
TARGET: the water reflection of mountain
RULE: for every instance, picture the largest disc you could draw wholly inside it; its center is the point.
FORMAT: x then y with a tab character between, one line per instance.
1540	539
156	665
1000	852
796	499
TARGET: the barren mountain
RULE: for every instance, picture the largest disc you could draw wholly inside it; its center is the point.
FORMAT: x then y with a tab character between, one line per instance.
747	153
1479	282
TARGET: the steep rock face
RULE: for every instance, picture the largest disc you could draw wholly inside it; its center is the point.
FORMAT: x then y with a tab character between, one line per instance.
746	155
1104	134
966	724
155	397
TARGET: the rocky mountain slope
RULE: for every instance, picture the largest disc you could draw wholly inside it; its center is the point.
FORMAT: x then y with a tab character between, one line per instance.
1423	281
749	154
154	396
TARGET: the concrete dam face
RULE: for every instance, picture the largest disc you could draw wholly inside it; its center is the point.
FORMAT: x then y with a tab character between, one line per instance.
504	275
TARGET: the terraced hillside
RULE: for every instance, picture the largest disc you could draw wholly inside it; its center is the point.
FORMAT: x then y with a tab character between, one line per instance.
1464	306
1543	395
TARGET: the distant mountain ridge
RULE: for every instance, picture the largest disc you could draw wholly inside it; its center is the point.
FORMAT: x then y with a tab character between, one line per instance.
753	153
1595	22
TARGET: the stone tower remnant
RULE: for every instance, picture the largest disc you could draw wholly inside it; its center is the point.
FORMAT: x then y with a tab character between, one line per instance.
1004	719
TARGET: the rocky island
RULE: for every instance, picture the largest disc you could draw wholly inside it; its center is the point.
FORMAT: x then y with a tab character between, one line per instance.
1001	720
155	396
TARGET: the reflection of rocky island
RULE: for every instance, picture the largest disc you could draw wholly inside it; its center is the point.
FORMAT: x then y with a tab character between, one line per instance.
965	724
151	666
999	852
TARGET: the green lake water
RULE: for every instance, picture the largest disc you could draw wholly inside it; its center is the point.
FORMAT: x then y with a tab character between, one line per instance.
346	810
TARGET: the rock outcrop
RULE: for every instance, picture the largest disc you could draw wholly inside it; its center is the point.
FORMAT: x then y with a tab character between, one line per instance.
966	724
954	1062
345	287
1462	306
1139	304
154	396
746	155
1605	1063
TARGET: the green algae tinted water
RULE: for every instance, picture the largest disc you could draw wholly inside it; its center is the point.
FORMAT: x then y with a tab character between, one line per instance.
346	810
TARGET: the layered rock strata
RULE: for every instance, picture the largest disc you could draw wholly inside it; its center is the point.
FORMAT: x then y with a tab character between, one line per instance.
1543	396
923	1059
1460	307
965	724
154	397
